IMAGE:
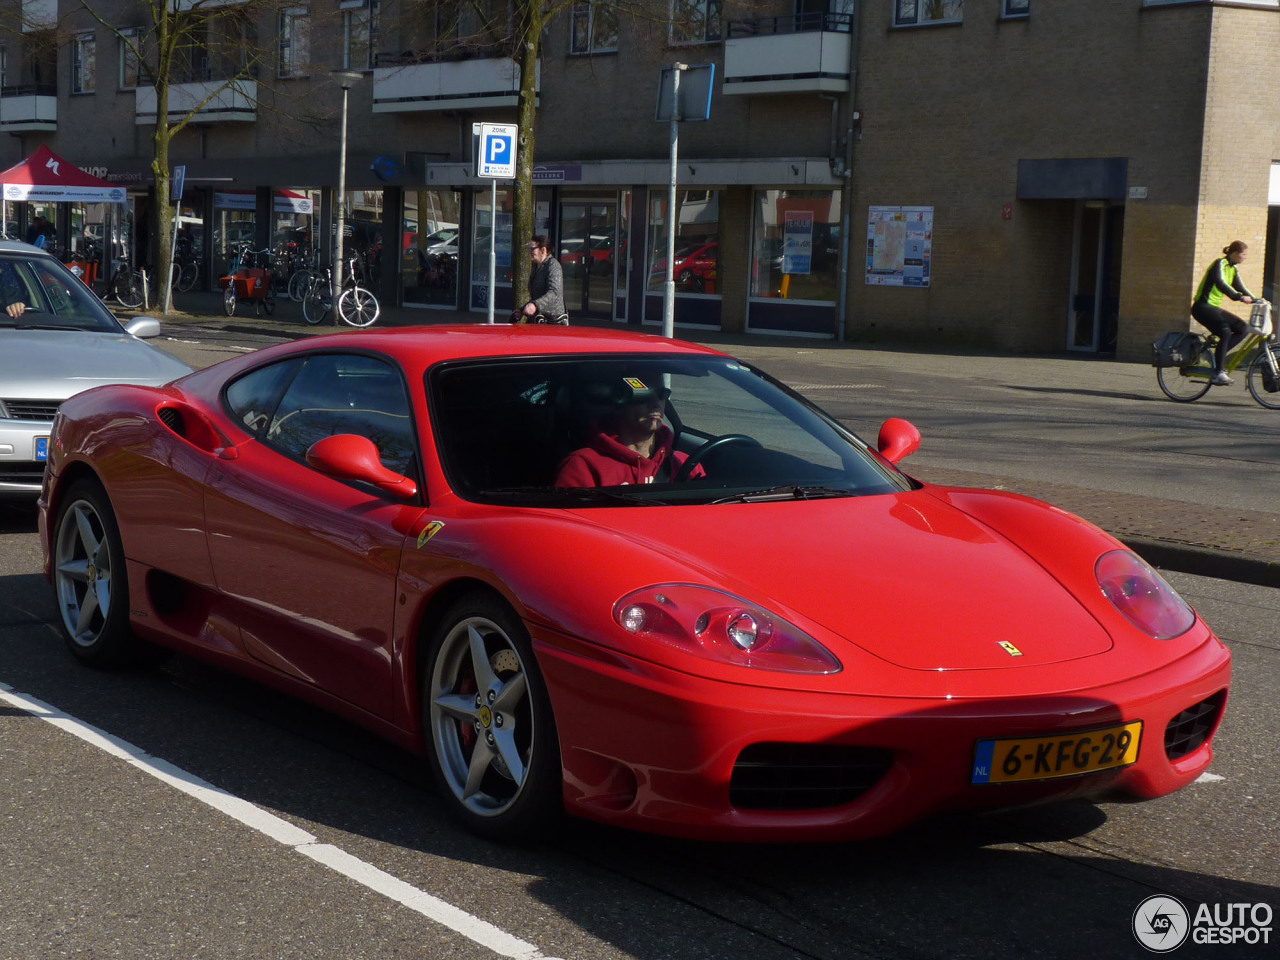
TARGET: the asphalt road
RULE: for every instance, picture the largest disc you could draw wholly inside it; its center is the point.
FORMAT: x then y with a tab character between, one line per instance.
218	820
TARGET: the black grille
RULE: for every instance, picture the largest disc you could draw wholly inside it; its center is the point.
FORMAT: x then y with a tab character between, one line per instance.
1191	728
30	471
31	409
173	420
805	776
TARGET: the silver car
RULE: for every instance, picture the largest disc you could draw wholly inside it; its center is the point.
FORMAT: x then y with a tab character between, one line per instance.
62	341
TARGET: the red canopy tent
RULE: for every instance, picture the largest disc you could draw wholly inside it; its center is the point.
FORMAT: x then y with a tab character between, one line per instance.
45	177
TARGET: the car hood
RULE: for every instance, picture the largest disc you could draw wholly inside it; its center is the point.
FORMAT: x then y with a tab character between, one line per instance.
909	578
56	364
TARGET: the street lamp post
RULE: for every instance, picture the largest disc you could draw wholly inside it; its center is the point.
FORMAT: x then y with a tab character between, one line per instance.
346	78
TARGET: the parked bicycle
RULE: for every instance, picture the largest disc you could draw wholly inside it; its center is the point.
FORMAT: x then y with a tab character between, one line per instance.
1184	361
300	280
357	305
249	279
125	285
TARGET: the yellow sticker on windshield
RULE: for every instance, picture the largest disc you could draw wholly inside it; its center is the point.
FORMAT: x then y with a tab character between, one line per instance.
634	384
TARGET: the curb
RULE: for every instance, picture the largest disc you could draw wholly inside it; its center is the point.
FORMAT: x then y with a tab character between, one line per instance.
1205	561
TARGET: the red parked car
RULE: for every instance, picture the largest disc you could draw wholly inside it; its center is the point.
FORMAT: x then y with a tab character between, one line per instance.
776	635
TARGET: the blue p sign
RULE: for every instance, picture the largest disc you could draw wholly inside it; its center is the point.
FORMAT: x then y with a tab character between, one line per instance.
497	154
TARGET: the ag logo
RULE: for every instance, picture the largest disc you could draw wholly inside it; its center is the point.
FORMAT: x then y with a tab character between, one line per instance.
1161	924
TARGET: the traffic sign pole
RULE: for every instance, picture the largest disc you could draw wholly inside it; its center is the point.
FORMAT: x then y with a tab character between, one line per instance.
495	160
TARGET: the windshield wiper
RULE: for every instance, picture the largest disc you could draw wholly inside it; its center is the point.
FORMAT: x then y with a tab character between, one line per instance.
787	491
581	494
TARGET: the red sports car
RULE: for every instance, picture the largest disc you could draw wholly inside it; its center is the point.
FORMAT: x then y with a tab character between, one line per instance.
624	576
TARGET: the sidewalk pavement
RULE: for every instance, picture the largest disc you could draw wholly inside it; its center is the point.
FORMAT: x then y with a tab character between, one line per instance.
1229	544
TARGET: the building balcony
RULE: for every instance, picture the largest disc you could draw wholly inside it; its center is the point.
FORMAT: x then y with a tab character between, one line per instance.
28	108
805	53
446	85
218	101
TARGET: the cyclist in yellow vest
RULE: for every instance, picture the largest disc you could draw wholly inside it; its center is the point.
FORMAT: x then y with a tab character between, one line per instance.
1222	279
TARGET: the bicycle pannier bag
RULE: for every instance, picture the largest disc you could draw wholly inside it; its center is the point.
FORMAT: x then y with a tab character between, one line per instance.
1260	318
1177	349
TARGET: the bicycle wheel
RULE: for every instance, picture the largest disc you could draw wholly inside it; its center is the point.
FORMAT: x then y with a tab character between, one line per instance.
297	288
1185	384
269	301
358	307
1262	374
318	303
129	290
187	278
229	297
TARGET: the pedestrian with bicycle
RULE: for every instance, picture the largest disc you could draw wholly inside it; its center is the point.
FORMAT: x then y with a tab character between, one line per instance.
1223	281
546	286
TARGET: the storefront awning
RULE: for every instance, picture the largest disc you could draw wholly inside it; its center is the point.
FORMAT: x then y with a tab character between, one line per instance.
45	177
286	201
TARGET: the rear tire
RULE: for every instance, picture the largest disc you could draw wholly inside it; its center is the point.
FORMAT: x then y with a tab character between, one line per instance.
129	290
318	302
187	278
90	582
1185	384
229	298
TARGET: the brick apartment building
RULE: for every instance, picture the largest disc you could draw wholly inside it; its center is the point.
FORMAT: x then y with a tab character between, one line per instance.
1024	175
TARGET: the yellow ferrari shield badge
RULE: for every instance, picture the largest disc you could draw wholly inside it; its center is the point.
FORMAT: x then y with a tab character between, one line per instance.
429	531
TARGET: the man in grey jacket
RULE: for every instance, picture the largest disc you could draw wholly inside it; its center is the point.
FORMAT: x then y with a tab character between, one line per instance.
546	285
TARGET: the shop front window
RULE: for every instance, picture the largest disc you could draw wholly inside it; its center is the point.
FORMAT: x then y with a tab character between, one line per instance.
796	245
292	221
482	228
697	249
429	250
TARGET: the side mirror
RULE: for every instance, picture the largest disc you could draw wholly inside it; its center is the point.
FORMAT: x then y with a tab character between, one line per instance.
898	439
348	456
143	327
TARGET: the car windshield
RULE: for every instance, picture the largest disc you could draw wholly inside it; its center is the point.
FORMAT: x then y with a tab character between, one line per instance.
639	430
52	297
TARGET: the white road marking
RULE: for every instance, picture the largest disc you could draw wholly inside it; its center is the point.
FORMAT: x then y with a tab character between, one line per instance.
1208	777
282	831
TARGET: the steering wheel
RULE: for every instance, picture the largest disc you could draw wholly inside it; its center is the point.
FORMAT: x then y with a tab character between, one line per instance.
715	443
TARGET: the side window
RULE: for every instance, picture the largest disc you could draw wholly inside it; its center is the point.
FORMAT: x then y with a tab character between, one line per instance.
345	393
252	399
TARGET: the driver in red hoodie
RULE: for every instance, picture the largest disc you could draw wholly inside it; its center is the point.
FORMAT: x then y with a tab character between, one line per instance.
633	443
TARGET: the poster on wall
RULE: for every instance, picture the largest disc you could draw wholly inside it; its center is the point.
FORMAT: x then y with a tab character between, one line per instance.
797	241
899	246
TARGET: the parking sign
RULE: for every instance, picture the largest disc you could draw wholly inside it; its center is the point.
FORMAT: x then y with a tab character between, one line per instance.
496	153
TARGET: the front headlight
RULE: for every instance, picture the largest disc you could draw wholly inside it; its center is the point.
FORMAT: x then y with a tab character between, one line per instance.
721	627
1142	595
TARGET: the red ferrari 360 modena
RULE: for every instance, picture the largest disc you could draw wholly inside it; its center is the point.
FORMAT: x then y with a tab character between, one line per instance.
622	576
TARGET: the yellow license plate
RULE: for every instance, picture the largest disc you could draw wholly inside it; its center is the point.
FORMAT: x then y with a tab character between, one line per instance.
1046	758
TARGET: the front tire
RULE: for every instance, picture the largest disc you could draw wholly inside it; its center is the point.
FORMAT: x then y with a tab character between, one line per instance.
229	298
129	290
90	582
487	717
1260	374
358	307
1184	384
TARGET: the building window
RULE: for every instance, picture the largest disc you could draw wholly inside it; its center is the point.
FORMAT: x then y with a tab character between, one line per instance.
360	35
83	59
695	21
594	27
697	260
295	42
4	67
909	12
129	60
1017	8
795	245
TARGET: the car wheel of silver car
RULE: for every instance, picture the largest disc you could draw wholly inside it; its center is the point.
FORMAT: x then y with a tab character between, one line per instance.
89	578
487	717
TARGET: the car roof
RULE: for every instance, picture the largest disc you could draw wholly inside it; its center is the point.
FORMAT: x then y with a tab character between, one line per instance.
25	249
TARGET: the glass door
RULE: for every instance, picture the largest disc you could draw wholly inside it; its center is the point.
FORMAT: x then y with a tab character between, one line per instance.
589	255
